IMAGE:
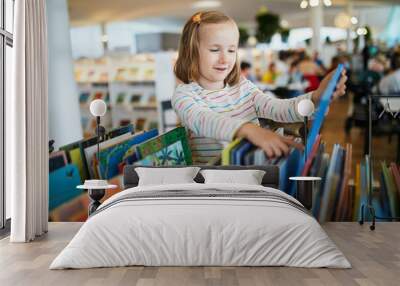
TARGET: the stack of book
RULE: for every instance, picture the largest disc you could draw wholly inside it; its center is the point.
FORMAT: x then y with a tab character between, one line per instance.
332	198
384	194
77	162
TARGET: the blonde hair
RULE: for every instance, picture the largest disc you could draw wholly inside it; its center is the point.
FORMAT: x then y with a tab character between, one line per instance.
187	65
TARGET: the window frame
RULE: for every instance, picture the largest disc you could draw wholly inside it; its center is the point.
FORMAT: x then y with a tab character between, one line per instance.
6	39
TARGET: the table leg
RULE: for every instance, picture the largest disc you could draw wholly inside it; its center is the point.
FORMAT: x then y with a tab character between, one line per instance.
304	193
95	197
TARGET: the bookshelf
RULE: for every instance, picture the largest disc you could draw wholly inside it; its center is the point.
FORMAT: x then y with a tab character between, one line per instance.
126	83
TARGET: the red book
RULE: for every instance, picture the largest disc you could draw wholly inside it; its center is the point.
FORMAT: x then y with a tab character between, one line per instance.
311	156
396	175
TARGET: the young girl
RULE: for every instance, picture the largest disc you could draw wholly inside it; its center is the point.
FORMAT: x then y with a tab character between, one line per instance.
215	103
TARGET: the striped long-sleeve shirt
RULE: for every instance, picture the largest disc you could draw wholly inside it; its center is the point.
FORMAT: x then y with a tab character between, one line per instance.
214	116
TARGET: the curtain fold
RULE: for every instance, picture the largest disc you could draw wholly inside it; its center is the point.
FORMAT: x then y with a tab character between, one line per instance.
27	137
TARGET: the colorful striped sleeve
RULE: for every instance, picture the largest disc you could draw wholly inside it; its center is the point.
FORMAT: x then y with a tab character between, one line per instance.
279	110
202	121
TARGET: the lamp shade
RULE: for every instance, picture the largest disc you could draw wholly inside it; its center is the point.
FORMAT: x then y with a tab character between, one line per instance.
305	107
98	107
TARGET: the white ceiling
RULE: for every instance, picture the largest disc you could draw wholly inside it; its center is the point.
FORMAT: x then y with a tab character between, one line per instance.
89	12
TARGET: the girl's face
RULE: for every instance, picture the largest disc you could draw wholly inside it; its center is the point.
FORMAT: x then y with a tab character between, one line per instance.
217	50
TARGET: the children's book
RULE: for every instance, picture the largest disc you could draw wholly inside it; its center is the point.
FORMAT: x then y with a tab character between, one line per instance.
74	156
57	160
170	148
249	156
321	172
396	176
82	146
234	151
120	130
111	158
288	168
384	196
319	115
337	187
357	193
327	192
259	157
322	109
62	185
311	156
391	189
315	165
241	152
91	151
226	152
343	203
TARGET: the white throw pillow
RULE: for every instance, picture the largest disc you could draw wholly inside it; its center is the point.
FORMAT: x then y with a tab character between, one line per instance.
248	177
164	176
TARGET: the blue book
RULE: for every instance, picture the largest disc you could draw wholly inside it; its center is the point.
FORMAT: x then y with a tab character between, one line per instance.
62	185
112	158
363	188
241	152
234	151
288	168
320	113
249	157
384	198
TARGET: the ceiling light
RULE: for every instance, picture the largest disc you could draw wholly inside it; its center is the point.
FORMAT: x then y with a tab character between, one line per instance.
354	20
284	24
342	20
314	3
362	31
303	4
328	3
206	4
252	41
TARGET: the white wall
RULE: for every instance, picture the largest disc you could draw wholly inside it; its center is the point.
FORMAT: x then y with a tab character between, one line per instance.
64	115
86	41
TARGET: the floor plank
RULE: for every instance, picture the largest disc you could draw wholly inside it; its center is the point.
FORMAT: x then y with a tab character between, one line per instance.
375	257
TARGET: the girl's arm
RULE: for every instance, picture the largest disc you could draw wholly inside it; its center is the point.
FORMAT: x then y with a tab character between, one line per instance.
279	110
203	121
285	110
273	144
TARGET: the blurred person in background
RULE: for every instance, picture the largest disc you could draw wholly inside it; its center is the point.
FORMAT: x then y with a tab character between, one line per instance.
295	76
318	61
391	82
311	72
245	71
334	63
270	76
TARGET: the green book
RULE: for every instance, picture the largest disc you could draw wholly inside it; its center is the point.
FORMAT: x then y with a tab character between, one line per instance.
226	152
170	148
391	190
74	156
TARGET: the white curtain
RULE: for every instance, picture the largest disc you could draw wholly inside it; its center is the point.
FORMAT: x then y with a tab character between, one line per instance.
26	124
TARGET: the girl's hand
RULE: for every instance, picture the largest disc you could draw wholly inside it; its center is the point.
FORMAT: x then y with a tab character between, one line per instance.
274	145
340	87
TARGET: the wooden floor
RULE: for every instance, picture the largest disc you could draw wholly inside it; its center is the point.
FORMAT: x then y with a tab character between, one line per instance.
374	255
